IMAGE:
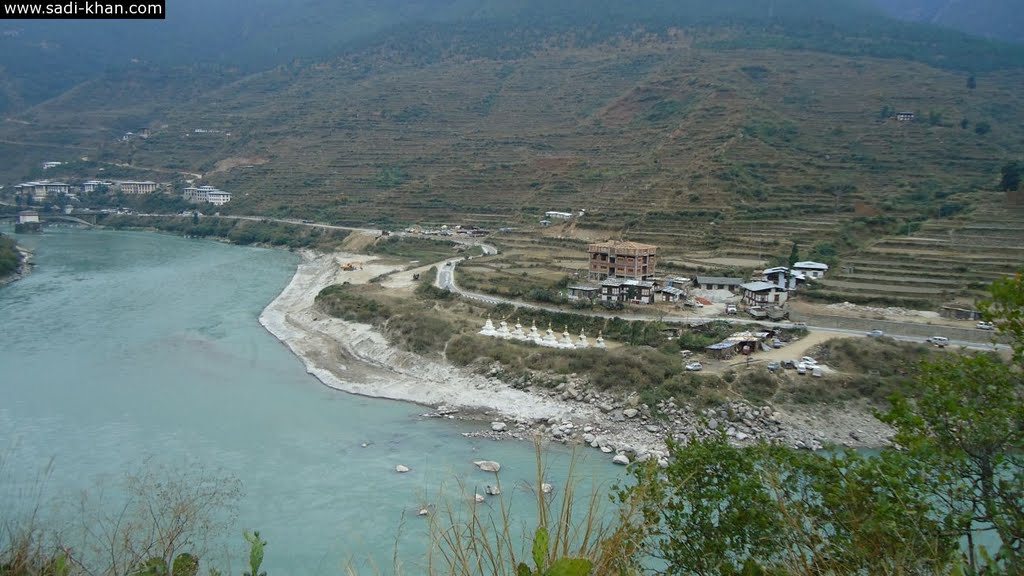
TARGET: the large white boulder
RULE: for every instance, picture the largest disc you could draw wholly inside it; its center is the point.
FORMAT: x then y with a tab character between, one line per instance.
620	459
487	465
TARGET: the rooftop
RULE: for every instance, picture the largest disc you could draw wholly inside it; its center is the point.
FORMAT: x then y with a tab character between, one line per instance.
759	286
718	280
808	265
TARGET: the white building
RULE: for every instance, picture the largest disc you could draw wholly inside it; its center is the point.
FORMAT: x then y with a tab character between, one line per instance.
811	269
48	165
42	189
93	185
206	194
136	187
558	215
28	217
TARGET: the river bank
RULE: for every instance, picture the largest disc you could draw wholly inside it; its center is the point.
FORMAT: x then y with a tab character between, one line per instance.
24	266
358	359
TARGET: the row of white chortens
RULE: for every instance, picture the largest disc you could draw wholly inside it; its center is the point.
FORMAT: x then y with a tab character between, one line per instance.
548	339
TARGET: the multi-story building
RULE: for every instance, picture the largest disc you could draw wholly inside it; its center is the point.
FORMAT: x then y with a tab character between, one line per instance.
620	259
134	187
91	186
206	194
42	189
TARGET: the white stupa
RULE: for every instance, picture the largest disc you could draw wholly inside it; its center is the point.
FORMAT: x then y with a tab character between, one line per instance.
488	329
583	340
600	340
518	332
503	330
549	337
534	334
566	340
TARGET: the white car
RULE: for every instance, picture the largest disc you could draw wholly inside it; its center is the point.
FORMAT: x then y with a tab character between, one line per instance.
808	361
801	368
985	326
940	341
694	367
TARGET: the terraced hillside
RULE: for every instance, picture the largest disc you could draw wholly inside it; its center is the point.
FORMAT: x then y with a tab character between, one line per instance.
943	261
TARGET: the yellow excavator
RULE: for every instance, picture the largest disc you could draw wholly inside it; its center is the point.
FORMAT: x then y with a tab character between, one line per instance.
350	266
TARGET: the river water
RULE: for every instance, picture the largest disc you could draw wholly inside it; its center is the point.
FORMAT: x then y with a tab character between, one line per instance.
133	350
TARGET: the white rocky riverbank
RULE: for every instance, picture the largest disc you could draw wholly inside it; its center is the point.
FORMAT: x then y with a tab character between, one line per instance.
356	358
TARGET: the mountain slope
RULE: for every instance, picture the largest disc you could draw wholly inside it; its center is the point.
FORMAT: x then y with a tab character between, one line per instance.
41	59
1001	19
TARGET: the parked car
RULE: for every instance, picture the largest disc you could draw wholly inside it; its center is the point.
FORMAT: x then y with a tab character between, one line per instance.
773	366
801	368
876	333
694	367
817	372
730	308
809	361
940	341
985	326
776	343
686	353
789	364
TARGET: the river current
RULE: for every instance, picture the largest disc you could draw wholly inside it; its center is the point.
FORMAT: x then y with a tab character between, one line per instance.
124	351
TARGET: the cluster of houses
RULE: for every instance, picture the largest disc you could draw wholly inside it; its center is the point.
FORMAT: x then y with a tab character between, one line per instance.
43	190
624	272
207	194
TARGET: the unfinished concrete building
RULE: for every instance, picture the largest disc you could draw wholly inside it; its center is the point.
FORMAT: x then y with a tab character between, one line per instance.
622	259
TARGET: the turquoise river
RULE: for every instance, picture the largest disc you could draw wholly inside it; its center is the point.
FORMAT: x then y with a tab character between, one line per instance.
130	350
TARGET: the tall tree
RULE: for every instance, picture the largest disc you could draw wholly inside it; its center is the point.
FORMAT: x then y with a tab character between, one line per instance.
794	254
1011	173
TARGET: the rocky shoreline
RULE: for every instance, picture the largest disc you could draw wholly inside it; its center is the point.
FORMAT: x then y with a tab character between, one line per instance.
356	358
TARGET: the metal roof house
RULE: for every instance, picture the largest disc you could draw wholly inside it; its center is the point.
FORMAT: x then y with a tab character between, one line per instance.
717	283
811	269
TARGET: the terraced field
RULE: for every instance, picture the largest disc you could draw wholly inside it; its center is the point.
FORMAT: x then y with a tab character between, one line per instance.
946	260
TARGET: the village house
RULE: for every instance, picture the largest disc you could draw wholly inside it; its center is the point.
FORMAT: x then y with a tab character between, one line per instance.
48	165
811	269
904	116
627	290
619	259
763	294
672	294
206	194
552	215
784	278
582	292
42	189
717	283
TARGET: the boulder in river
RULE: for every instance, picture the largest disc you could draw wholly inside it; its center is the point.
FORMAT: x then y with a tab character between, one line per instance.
487	465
